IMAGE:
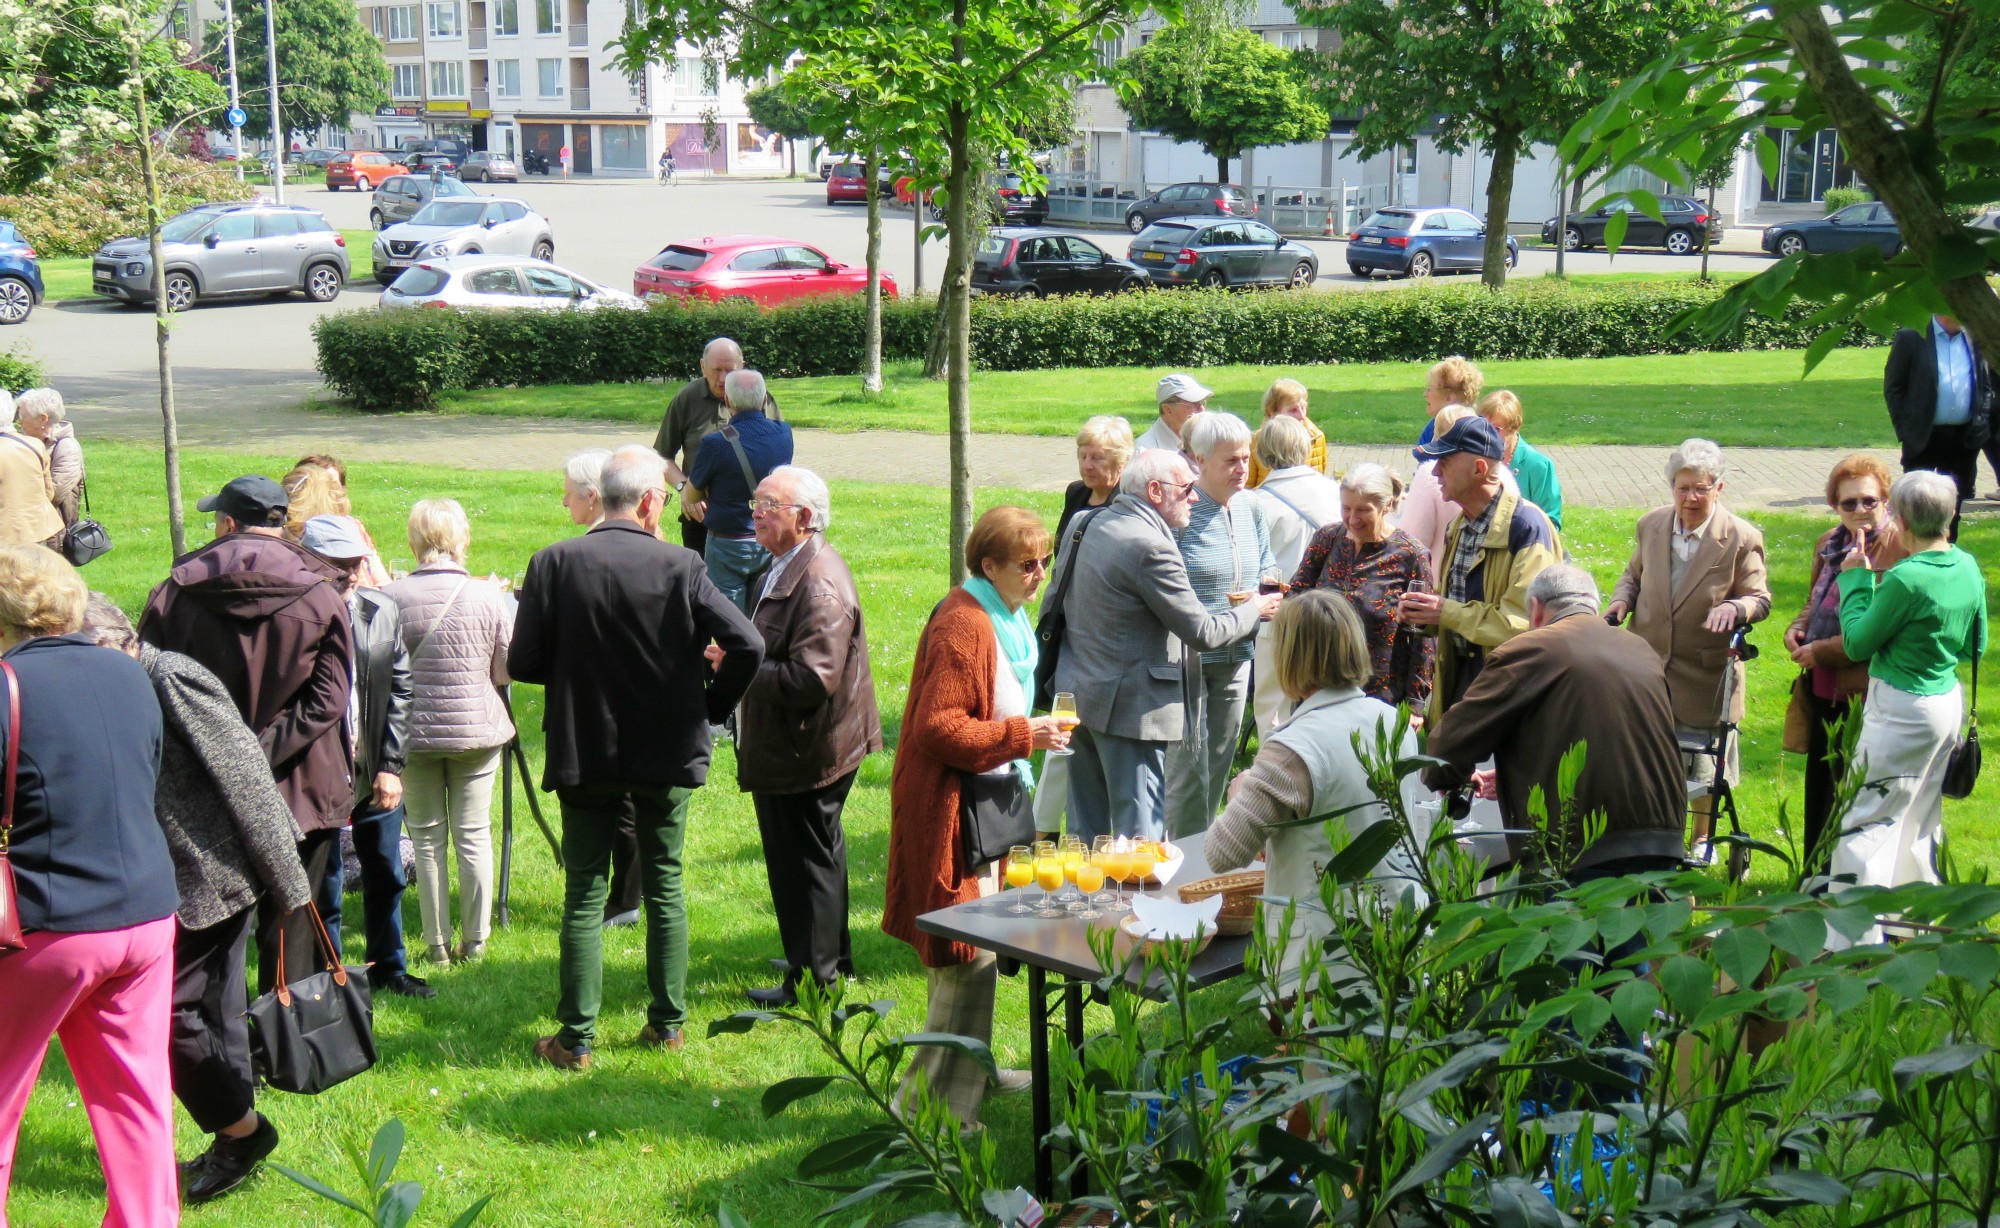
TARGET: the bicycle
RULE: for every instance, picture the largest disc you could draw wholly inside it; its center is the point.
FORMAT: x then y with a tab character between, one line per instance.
667	175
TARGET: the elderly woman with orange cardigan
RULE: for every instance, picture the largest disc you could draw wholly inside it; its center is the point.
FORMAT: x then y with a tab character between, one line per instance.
971	689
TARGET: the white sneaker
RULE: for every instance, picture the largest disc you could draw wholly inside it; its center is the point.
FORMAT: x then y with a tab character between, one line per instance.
1702	854
1012	1082
622	919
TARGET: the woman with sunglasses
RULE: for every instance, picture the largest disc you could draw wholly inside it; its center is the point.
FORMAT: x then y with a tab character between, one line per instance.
1858	489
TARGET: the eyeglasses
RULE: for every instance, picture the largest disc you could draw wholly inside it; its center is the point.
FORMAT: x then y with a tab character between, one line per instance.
1863	504
1029	567
770	505
1182	487
1693	492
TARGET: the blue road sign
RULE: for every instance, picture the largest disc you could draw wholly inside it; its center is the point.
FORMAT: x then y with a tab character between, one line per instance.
237	117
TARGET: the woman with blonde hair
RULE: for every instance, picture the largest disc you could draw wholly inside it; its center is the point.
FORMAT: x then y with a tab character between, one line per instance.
1287	398
456	629
317	486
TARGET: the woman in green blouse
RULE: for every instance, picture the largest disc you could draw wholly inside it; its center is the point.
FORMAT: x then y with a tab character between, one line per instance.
1913	624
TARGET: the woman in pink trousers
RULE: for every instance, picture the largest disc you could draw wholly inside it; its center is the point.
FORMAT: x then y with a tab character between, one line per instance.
95	885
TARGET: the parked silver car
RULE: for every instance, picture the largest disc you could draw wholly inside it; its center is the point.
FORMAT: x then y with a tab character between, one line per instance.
488	167
496	224
215	251
401	197
499	281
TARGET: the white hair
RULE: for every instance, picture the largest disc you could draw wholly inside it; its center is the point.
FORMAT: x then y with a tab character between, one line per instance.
40	404
1152	465
744	389
585	470
630	472
1563	590
1924	501
1374	483
1202	434
1703	456
811	492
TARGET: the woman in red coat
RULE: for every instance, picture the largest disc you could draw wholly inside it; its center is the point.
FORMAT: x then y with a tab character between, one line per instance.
971	689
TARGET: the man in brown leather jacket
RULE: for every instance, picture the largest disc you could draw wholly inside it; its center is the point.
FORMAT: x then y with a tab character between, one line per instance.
807	722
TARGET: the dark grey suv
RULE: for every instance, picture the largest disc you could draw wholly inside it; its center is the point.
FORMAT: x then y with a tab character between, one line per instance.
223	250
401	197
1187	200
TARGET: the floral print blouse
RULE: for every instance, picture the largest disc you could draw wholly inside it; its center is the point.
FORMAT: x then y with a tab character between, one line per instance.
1374	577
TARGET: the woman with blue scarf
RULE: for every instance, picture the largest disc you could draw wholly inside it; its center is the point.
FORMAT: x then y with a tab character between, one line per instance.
971	689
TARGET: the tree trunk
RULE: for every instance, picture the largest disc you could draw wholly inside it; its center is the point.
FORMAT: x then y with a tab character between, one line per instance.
162	323
937	351
958	306
871	343
1704	232
1562	224
1506	148
1878	153
1222	168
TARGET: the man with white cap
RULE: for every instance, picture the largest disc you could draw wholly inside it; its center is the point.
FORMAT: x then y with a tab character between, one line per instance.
1181	397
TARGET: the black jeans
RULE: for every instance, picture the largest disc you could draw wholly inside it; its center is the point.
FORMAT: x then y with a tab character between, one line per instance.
208	1054
319	852
378	846
694	535
1947	452
1824	768
805	860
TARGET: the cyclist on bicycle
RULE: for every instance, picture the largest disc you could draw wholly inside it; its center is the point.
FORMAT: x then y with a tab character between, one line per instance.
666	166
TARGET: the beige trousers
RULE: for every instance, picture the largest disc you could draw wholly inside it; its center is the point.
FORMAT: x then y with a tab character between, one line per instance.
451	796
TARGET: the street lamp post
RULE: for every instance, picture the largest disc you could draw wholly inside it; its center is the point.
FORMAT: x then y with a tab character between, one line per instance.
236	130
271	70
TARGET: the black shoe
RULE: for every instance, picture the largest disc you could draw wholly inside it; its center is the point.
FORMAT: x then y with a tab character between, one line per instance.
781	965
402	983
227	1163
768	998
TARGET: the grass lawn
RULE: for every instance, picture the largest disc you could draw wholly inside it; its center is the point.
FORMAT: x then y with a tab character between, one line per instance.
69	276
1743	399
658	1138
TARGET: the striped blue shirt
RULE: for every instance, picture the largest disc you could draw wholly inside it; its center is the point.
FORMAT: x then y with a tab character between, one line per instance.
1226	547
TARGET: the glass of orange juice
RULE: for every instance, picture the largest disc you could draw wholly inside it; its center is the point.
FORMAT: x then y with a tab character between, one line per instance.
1074	853
1020	872
1089	881
1103	854
1048	876
1144	858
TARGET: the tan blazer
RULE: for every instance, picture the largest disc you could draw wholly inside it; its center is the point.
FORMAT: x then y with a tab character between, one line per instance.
28	514
1728	565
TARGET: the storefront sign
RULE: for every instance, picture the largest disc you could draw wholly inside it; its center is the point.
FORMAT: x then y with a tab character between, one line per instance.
391	110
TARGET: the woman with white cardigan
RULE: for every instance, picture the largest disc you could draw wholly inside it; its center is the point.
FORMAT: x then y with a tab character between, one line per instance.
456	629
1298	501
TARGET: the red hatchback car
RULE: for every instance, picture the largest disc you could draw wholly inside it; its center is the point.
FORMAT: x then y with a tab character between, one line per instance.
760	269
845	183
362	169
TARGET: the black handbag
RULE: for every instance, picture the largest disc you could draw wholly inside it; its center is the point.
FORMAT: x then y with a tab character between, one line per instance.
1961	771
86	539
318	1031
1053	621
995	813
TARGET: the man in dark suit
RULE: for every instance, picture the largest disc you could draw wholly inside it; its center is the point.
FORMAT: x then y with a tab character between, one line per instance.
1940	396
614	624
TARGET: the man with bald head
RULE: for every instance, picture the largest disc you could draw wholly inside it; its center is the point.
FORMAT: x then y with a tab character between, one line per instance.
697	409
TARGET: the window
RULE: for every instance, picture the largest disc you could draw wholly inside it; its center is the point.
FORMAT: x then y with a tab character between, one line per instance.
507	78
1110	49
548	283
621	147
511	212
1258	232
759	260
696	77
1290	40
549	78
447	79
278	225
493	281
804	258
444	19
231	227
548	16
506	16
1463	223
403	24
1037	250
409	80
1082	251
1437	222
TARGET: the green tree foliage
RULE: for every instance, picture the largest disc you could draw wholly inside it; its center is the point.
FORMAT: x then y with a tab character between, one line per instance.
785	108
1907	84
89	200
329	64
1227	92
65	81
1499	74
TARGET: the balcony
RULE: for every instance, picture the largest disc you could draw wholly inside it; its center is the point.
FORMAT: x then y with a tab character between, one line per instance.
579	34
579	98
482	100
476	38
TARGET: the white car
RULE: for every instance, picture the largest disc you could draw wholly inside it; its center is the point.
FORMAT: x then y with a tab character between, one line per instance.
463	226
499	281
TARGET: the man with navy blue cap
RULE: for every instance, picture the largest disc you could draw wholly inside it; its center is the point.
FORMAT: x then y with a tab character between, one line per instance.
1496	546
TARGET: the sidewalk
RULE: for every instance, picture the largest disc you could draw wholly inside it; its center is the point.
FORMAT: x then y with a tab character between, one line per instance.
1593	476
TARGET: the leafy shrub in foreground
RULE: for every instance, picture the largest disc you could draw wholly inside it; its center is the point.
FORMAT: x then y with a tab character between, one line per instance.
18	371
90	200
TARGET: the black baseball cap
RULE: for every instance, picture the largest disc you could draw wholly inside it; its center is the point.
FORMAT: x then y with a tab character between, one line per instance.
251	499
1474	435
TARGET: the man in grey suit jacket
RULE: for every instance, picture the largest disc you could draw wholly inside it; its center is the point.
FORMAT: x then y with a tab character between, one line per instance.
1131	618
1940	396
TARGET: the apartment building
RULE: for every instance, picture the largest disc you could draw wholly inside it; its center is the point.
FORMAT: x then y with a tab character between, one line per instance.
519	75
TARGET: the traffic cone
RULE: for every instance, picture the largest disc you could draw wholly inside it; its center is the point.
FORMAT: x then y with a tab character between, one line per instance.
1326	231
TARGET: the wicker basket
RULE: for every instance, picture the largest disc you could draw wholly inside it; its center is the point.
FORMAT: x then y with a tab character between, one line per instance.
1239	894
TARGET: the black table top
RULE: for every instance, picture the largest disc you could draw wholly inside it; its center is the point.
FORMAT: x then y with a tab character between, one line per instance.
1061	944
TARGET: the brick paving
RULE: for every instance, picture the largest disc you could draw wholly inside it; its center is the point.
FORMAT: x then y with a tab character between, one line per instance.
283	422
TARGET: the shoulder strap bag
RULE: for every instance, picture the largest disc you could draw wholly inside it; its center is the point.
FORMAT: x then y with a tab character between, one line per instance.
1961	771
11	937
443	614
318	1031
1312	522
995	810
735	439
85	539
1053	621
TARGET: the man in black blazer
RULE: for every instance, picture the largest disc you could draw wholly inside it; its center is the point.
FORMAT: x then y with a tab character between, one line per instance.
614	624
1940	396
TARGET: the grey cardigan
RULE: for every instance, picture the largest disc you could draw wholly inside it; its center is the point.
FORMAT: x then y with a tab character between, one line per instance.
231	834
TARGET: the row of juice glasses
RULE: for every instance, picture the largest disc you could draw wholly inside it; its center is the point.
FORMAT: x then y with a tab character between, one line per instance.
1082	872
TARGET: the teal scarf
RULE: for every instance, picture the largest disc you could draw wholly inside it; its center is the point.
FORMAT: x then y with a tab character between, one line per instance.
1017	640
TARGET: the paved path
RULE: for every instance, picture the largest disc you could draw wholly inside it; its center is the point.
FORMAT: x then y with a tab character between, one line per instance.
279	418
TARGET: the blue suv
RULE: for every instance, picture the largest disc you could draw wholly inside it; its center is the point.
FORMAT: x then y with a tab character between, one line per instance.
20	276
1418	242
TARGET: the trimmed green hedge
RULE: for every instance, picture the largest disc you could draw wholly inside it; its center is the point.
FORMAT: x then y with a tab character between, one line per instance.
18	371
406	359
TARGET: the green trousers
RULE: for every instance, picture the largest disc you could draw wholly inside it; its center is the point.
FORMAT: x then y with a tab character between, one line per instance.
590	820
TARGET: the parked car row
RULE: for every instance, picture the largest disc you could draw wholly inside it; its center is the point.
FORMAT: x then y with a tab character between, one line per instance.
1418	242
455	227
1678	229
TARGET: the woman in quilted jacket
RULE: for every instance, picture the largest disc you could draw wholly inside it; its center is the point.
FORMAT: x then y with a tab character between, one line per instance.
456	629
